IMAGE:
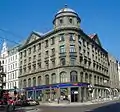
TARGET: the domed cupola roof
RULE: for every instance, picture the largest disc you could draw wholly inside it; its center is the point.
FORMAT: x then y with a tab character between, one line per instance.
66	9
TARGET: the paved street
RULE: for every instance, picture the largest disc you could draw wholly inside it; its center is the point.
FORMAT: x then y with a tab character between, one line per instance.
106	107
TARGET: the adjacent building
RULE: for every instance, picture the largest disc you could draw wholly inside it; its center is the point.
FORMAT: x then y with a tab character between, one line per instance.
64	62
12	68
114	76
119	73
10	63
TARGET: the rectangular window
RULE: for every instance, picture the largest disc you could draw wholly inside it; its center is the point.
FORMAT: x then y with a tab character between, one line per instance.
24	53
52	40
29	58
72	61
53	62
39	55
46	43
34	48
29	51
34	57
53	51
62	37
47	53
72	48
62	49
39	64
39	46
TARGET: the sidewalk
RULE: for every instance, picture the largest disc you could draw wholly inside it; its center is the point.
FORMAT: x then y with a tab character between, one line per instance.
78	103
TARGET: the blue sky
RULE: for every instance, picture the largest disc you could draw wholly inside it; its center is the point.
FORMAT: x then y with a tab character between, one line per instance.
98	16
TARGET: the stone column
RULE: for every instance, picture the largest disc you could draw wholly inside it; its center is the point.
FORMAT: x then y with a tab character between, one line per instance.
79	91
69	93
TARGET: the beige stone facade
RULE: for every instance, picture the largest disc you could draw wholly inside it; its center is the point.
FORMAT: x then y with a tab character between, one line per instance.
114	75
64	62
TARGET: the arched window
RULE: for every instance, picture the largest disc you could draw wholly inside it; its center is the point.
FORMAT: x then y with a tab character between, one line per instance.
81	76
53	78
86	77
29	82
34	81
73	76
46	79
39	80
63	77
90	78
24	83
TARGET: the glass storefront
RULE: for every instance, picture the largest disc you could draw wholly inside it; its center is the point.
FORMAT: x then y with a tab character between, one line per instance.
39	95
47	94
30	94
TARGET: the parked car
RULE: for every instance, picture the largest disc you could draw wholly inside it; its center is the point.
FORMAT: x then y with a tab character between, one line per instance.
26	103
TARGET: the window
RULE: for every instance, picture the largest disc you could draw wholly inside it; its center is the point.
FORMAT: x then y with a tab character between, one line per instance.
86	77
29	68
73	76
53	78
34	81
39	80
94	79
53	51
29	82
39	46
47	53
46	79
24	83
62	61
24	61
34	57
24	53
63	77
29	51
70	20
61	37
62	49
52	40
39	64
90	78
46	43
53	62
24	69
34	48
72	37
47	64
39	55
29	58
72	61
81	76
72	48
34	67
61	21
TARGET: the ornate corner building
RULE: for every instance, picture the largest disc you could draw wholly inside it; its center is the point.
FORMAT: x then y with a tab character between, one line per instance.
64	62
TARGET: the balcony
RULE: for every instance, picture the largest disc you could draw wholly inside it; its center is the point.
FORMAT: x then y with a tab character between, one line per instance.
73	54
63	54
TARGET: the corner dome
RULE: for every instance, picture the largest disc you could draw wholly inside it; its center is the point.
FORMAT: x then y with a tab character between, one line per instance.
66	9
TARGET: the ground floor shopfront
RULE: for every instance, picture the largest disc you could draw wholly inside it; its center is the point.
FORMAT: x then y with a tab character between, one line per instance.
76	92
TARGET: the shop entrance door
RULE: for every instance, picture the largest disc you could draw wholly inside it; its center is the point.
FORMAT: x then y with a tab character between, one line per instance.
74	94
